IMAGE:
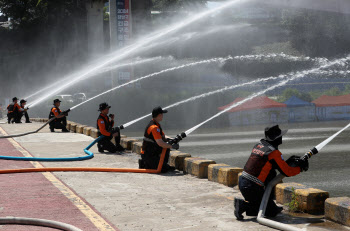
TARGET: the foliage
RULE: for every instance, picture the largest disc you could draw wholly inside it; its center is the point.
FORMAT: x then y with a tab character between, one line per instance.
318	33
23	13
334	91
294	203
289	92
174	5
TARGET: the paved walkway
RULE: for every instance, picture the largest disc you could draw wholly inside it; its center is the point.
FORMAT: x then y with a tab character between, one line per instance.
130	201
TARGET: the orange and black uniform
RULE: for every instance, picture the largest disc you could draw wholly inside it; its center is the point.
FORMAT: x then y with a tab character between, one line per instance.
58	123
104	126
258	172
151	151
13	112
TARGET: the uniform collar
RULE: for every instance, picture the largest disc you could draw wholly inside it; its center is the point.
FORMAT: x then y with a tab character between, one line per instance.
156	122
106	117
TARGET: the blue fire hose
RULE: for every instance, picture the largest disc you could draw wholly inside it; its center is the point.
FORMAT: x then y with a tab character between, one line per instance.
79	158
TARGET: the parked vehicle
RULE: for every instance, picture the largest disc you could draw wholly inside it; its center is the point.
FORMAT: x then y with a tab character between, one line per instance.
79	97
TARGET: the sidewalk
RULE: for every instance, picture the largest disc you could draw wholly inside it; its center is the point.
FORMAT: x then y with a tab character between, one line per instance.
130	201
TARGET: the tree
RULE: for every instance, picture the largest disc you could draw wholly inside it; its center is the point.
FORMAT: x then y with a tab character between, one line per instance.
175	5
318	33
334	91
287	93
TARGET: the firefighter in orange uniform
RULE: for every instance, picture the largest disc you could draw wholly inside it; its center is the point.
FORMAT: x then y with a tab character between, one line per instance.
105	128
61	118
154	141
14	111
259	170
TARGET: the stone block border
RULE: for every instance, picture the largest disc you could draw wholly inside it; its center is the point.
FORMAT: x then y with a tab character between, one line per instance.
338	209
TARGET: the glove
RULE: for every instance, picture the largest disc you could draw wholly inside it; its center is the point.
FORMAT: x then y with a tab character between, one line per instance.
175	146
304	165
169	140
293	161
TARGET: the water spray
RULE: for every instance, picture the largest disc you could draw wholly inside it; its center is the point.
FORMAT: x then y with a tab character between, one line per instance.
140	44
72	79
221	90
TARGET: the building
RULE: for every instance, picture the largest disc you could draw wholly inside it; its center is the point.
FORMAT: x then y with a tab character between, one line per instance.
259	110
300	110
332	107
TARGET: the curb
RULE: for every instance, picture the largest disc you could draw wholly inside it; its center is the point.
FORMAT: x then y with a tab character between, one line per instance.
224	174
310	200
338	209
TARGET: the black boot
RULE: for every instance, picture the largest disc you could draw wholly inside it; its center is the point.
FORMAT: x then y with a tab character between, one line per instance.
52	129
141	164
277	210
28	122
100	149
120	148
65	130
239	208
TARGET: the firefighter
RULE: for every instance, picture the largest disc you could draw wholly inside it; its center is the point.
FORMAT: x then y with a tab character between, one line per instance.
105	128
24	112
259	170
61	118
154	142
14	111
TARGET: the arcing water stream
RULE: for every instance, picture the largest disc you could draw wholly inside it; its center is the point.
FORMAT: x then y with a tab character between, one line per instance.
97	72
322	72
298	75
221	60
75	80
136	47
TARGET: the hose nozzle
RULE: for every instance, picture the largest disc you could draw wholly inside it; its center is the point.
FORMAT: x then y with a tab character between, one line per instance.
121	127
178	138
310	153
66	112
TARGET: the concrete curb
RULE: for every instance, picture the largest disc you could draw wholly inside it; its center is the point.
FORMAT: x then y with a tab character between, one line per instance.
127	143
136	147
224	174
197	166
177	159
310	200
338	209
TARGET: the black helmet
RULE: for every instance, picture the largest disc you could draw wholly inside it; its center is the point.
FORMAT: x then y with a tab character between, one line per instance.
23	101
56	101
15	98
274	132
158	110
103	106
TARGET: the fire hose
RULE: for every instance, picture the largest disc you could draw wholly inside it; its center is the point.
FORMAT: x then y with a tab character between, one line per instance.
35	131
38	222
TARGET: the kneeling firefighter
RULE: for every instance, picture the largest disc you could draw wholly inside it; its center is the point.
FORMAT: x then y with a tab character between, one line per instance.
61	118
24	112
105	128
14	111
259	170
154	142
